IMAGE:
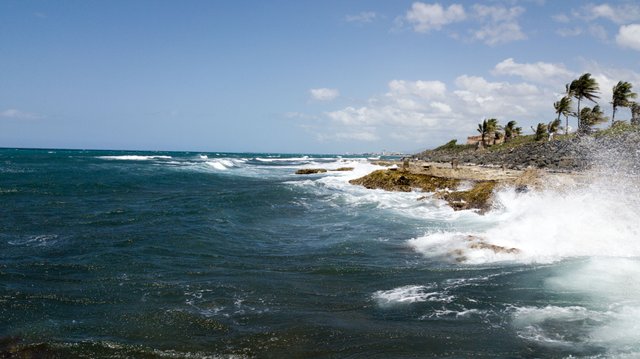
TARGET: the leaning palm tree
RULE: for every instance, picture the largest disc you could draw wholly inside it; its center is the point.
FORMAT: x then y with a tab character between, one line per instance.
553	127
509	130
492	128
583	87
591	117
540	131
487	127
563	107
482	128
622	96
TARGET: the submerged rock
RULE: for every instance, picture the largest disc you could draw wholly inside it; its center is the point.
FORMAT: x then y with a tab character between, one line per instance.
308	171
475	242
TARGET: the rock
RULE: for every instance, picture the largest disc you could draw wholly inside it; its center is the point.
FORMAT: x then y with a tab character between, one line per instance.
479	243
404	181
478	197
344	169
308	171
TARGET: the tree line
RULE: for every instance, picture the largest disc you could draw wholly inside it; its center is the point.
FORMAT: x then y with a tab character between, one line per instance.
583	88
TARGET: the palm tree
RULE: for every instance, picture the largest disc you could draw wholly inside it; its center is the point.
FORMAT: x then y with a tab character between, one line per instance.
487	127
540	131
583	87
482	128
563	107
635	113
492	127
511	131
591	117
553	127
517	131
622	96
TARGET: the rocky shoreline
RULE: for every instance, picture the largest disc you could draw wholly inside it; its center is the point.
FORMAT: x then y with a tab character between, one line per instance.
575	153
466	178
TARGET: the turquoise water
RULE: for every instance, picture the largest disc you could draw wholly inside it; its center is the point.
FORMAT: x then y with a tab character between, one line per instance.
159	254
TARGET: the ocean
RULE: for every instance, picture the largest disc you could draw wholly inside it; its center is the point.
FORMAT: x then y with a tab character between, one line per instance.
221	255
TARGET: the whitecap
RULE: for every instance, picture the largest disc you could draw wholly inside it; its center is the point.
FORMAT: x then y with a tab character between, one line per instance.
42	240
410	294
134	158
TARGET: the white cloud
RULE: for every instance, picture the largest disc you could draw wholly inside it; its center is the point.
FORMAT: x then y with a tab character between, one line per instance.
499	24
569	32
420	111
426	17
19	115
324	94
629	36
598	32
423	89
607	77
363	17
621	14
427	112
541	72
492	25
588	19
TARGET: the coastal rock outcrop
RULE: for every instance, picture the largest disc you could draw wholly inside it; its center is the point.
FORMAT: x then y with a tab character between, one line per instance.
309	171
404	181
478	197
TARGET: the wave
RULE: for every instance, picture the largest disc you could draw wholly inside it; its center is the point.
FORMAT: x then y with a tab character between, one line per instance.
43	240
135	158
285	159
225	164
548	226
410	294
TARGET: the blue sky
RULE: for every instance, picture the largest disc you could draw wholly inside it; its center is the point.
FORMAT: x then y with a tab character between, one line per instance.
297	76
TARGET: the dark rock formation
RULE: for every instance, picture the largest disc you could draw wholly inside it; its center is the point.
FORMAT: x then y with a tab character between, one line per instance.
308	171
404	181
478	197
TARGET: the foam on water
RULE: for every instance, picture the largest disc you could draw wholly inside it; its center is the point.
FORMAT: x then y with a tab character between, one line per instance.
135	158
42	240
549	226
410	294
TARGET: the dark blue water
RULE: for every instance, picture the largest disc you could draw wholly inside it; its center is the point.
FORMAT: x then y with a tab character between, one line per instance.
181	255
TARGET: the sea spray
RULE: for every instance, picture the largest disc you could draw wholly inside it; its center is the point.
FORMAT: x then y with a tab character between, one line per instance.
595	213
588	227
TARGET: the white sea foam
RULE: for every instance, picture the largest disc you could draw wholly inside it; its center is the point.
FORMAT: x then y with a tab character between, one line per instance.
135	158
410	294
549	226
285	159
43	240
223	164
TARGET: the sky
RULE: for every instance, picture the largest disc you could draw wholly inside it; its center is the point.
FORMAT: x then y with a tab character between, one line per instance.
311	76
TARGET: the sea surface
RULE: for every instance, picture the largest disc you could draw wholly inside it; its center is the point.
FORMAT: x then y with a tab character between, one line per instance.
220	255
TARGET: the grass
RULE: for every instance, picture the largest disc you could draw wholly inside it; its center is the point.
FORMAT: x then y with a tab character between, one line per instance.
617	129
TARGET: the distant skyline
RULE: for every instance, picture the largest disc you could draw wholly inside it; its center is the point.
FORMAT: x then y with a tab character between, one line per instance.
330	76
